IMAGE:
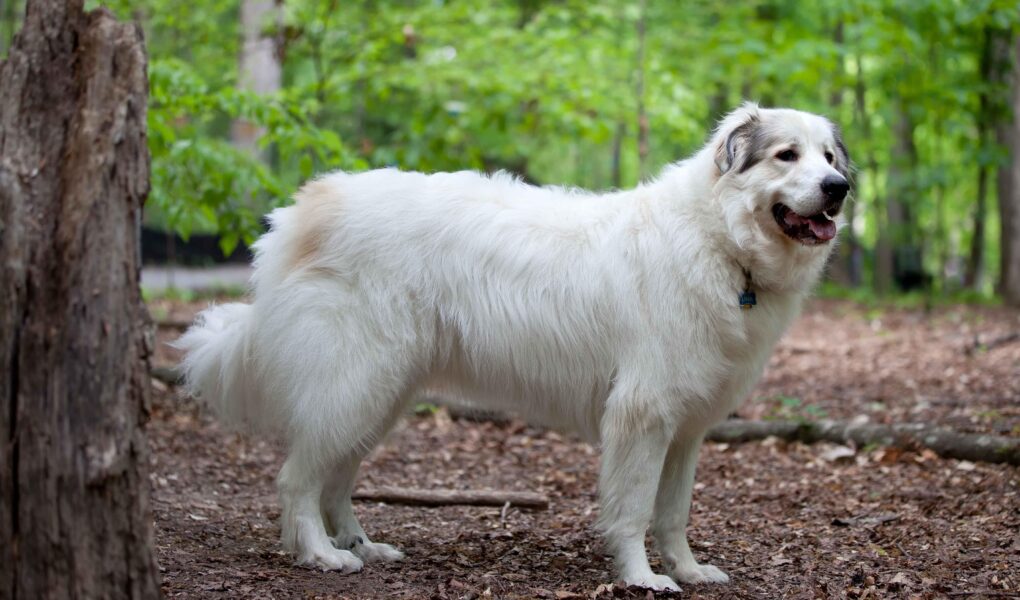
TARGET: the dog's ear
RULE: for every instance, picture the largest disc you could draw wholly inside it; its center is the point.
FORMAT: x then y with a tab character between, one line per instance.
733	136
842	162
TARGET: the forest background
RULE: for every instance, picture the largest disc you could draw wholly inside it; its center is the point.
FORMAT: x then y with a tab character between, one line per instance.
251	97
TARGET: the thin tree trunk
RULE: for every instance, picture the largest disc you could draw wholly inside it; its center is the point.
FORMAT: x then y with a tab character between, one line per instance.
260	70
844	267
941	231
1008	135
941	236
898	258
616	171
976	256
855	256
639	91
718	104
74	171
986	117
861	116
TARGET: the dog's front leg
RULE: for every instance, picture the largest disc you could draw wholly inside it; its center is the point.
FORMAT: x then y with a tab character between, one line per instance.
631	465
672	508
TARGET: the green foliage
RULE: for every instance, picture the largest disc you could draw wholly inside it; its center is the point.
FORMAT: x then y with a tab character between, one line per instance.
548	89
868	298
202	182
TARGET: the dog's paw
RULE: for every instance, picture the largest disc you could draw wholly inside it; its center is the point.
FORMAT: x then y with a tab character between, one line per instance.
659	583
333	560
701	574
368	551
373	552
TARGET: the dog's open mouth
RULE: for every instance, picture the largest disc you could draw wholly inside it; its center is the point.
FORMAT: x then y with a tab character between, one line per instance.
816	229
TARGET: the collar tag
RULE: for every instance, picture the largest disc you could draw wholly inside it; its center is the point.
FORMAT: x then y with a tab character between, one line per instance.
748	300
747	297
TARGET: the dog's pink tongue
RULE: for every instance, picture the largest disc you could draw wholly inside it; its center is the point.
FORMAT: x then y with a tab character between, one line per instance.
793	218
823	228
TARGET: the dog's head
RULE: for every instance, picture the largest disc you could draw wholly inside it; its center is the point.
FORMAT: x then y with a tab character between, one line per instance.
783	175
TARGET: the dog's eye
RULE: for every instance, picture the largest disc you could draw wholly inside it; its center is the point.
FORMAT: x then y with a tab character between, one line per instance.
787	156
829	157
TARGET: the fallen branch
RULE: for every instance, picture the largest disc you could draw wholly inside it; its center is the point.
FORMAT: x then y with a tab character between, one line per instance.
944	442
985	345
418	497
177	324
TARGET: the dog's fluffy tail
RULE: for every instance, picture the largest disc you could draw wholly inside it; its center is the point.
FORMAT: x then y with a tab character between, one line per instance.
216	365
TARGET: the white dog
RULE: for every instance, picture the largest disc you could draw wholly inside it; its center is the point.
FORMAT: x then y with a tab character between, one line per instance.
636	318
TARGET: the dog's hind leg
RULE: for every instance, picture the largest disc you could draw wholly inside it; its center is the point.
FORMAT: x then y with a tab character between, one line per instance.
632	459
349	380
672	509
338	515
300	484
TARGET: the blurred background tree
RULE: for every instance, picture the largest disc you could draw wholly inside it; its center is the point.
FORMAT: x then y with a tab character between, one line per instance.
250	97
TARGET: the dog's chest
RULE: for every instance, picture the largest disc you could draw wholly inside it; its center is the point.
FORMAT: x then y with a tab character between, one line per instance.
760	328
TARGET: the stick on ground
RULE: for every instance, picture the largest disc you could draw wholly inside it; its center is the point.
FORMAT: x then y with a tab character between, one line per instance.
419	497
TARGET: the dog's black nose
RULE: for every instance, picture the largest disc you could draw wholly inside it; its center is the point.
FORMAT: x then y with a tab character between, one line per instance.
835	187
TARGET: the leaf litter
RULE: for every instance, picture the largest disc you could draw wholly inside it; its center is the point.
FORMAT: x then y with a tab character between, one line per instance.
783	519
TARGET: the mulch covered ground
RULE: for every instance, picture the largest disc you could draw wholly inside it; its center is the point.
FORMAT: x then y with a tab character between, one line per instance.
784	520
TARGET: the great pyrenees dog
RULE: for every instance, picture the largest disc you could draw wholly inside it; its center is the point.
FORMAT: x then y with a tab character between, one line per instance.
637	319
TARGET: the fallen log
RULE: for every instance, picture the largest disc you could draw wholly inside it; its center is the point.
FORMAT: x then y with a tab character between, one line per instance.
419	497
947	443
178	324
984	345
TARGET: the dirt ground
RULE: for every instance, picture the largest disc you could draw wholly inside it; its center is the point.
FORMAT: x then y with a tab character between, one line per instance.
784	520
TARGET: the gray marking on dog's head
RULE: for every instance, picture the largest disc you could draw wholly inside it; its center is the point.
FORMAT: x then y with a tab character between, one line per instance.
761	139
747	144
736	143
842	162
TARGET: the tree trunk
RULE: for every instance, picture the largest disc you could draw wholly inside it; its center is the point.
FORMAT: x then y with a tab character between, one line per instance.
989	111
260	70
844	265
615	168
1008	134
855	253
639	92
976	255
898	256
74	171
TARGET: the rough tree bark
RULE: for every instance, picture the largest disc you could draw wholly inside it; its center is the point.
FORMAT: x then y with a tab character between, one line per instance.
74	171
1008	134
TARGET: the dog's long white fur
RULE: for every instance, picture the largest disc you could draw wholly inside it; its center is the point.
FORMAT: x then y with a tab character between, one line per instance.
613	315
